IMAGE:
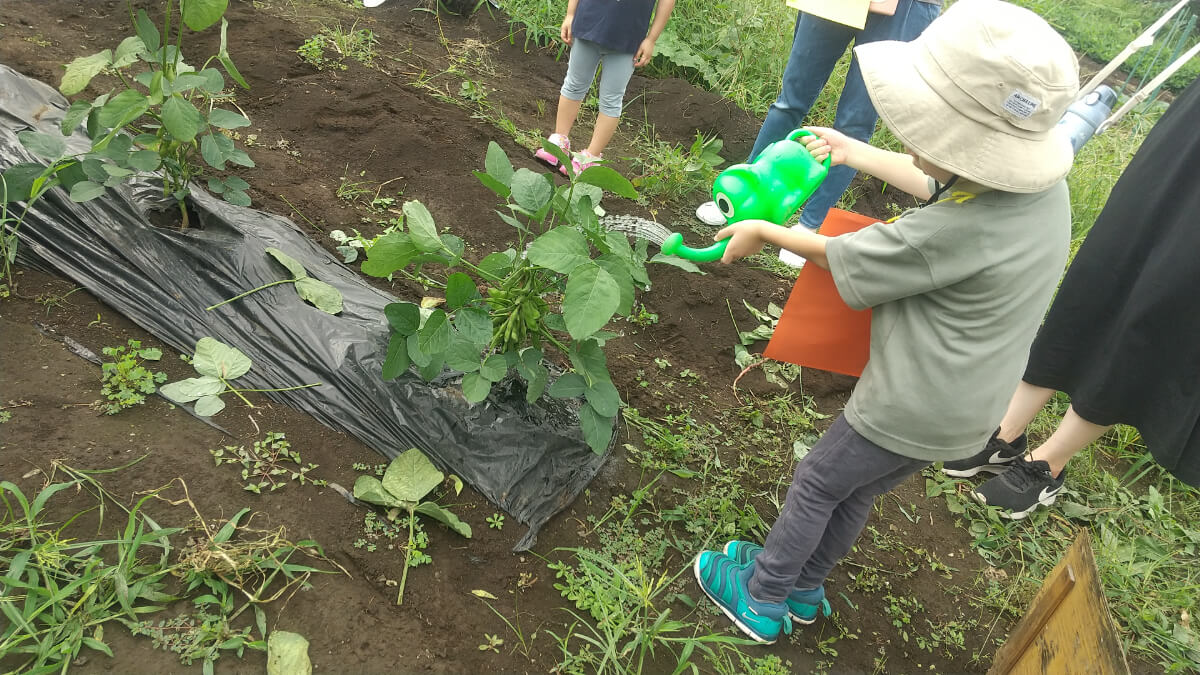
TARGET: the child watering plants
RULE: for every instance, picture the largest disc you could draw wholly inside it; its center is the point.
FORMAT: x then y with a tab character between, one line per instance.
612	33
1120	338
958	287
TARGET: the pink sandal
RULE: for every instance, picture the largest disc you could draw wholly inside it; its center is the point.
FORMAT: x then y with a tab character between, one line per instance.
559	140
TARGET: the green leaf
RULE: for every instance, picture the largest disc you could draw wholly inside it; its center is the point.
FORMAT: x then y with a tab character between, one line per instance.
591	299
568	385
492	184
421	358
561	249
531	190
128	51
45	145
403	317
475	387
235	183
225	119
474	325
449	519
323	296
185	82
433	368
597	429
421	227
122	109
497	164
588	359
216	359
369	489
463	354
411	476
214	81
603	397
675	261
397	360
237	198
494	368
619	269
200	14
498	265
297	270
390	253
99	646
17	185
74	117
434	335
536	384
223	56
186	391
85	191
207	406
145	160
80	72
210	150
147	31
287	654
460	290
181	119
606	178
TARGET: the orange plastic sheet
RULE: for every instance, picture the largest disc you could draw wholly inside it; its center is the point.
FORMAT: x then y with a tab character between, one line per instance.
817	330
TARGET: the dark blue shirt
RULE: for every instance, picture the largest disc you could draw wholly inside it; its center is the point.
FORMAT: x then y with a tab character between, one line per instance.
619	25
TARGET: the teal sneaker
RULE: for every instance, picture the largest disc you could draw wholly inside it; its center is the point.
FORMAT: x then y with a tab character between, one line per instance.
724	581
803	606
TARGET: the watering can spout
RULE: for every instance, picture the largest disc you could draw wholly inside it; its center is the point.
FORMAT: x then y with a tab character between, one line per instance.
770	188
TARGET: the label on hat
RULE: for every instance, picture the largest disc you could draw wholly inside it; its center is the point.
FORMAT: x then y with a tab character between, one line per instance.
1021	104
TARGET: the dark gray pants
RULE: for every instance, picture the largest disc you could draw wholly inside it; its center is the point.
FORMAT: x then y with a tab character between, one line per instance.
826	508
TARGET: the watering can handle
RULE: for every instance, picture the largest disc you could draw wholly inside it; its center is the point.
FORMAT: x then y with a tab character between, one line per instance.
795	135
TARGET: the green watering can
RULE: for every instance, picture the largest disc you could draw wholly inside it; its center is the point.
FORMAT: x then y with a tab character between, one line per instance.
770	188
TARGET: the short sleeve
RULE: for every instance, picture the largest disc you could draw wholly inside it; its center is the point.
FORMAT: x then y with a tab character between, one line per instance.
915	254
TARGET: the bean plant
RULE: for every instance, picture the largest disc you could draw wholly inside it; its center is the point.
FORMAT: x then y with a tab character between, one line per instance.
162	114
557	290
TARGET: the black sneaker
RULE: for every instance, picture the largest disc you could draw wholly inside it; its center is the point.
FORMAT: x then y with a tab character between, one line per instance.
995	457
1021	489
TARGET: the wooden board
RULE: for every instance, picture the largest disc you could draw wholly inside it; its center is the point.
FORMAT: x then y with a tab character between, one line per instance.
1068	629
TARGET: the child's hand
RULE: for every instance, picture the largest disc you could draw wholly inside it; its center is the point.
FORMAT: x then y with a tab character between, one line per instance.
564	32
644	53
825	142
745	239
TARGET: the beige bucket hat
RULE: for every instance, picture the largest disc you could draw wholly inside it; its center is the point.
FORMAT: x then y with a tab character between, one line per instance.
980	94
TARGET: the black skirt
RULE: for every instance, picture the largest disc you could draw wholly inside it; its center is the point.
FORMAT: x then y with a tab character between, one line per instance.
1122	337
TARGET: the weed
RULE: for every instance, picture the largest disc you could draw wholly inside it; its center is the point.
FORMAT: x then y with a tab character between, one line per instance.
493	643
642	316
667	172
496	521
323	296
355	44
472	91
265	465
126	379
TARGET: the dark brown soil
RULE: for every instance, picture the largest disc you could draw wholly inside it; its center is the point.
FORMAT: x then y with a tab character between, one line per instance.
371	124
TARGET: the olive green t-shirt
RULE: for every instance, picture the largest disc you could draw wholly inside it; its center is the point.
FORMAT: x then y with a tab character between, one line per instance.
958	290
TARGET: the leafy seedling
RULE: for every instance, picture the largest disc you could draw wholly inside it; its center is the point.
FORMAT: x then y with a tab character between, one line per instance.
408	479
323	296
496	521
269	464
126	379
217	363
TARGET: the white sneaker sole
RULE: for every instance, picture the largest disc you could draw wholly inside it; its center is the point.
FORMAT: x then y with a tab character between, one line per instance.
1019	515
975	471
728	614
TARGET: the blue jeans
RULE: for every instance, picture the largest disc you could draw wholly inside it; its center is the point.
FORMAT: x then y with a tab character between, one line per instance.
816	47
585	58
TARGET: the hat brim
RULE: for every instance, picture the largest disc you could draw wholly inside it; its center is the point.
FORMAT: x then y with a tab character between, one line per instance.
928	125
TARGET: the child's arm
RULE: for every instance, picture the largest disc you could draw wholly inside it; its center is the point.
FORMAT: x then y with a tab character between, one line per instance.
747	238
564	31
894	168
645	52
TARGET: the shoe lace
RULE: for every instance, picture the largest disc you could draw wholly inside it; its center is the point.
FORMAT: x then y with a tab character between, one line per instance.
1024	474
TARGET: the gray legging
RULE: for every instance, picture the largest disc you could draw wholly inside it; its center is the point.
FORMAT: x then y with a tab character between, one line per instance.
826	508
581	70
